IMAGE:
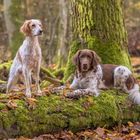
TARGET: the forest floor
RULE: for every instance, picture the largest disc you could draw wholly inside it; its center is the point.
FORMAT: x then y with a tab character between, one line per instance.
131	131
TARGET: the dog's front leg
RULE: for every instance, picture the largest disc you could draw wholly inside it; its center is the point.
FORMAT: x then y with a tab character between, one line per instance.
26	74
74	84
37	78
82	92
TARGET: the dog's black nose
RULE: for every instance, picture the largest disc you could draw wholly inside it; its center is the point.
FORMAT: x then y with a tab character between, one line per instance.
40	31
85	66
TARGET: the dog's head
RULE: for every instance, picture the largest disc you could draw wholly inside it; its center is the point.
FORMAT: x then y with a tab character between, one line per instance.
130	82
32	27
86	60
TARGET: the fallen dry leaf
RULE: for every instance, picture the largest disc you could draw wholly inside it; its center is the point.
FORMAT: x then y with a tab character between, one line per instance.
31	102
23	138
130	124
89	134
11	104
100	131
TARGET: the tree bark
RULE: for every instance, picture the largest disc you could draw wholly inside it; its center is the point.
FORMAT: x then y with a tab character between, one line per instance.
99	25
20	116
63	39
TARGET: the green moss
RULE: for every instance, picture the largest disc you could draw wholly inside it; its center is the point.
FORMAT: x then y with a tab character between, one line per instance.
6	65
110	52
15	121
54	113
4	71
44	84
59	72
48	72
3	96
2	106
2	82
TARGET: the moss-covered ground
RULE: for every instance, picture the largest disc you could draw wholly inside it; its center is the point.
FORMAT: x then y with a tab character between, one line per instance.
48	114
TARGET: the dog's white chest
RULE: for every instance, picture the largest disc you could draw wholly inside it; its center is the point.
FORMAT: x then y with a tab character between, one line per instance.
34	58
84	83
88	82
31	55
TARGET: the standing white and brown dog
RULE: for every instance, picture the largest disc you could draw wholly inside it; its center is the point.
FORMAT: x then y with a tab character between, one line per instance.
28	57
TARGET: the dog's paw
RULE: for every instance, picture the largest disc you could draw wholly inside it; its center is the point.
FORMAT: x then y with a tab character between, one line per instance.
28	95
72	95
39	93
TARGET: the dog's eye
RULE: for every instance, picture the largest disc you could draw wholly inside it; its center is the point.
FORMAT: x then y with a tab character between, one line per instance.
88	56
33	25
82	56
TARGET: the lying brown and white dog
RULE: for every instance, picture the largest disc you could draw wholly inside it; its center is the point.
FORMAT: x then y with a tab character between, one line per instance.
91	76
88	73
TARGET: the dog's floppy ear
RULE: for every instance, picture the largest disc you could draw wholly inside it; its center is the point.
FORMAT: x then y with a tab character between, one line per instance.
130	82
25	28
95	60
76	60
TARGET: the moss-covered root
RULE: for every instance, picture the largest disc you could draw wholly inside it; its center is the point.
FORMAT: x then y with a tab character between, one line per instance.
53	113
4	70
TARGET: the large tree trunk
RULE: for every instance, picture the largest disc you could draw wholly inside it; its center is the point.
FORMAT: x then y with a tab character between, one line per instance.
99	25
30	117
51	37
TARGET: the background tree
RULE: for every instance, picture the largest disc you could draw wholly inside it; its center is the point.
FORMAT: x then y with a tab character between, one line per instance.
99	25
4	40
17	14
64	32
8	22
52	14
132	20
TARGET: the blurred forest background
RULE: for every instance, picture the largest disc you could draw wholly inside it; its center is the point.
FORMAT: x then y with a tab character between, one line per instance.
58	18
55	16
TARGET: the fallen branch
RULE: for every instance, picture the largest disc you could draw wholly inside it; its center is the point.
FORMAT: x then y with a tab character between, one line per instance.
44	74
54	81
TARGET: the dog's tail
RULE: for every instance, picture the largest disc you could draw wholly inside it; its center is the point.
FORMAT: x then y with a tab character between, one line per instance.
134	94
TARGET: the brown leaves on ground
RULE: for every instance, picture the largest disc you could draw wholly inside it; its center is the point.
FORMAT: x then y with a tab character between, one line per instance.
11	104
31	102
135	61
129	132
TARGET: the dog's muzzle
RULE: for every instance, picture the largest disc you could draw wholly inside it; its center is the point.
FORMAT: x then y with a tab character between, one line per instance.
40	32
85	67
